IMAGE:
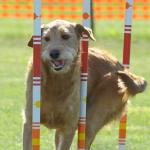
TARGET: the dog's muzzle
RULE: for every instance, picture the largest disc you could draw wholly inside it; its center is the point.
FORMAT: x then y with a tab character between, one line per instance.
56	63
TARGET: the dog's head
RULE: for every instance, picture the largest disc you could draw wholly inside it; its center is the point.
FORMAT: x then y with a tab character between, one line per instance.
60	44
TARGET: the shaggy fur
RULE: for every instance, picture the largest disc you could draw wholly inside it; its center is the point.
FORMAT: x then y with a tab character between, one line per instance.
109	85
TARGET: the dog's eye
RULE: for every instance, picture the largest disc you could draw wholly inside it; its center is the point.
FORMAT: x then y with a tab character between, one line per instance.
47	39
65	36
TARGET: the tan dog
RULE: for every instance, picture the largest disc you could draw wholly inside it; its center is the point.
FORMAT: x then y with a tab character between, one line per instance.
109	85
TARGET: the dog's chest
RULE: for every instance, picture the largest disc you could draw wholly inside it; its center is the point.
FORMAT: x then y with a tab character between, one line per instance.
55	116
59	105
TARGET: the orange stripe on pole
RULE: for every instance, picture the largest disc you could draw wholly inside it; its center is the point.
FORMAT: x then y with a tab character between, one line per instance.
82	127
122	133
81	143
36	147
35	133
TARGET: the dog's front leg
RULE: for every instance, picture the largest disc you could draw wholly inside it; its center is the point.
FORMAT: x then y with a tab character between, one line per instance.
27	136
27	126
63	138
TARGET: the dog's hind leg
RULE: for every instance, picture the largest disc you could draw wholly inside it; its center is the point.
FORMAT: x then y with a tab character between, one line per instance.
91	130
63	138
90	136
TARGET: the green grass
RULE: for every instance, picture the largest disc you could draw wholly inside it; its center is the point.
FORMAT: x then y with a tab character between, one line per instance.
14	55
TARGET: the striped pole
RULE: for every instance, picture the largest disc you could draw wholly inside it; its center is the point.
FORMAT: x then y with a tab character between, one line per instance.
126	63
36	76
84	77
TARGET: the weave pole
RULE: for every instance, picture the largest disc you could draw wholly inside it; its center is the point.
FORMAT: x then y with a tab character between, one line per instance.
84	76
36	76
126	63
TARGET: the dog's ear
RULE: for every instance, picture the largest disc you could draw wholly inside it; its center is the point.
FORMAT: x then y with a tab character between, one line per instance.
30	43
81	29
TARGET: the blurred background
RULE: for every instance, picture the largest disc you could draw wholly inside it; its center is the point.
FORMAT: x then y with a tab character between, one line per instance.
16	20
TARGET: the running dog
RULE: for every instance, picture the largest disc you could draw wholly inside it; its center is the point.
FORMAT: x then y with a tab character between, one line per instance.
109	85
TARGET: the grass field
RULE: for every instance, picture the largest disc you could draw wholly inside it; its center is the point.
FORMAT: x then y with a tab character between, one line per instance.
14	55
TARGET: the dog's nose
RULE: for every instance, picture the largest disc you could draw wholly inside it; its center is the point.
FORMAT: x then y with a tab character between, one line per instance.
54	54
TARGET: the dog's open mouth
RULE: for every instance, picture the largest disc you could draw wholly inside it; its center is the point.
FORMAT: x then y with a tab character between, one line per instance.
58	64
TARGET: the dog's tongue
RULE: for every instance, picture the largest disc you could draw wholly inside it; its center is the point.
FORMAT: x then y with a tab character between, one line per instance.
58	64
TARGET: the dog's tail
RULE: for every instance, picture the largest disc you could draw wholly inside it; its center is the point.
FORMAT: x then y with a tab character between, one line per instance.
134	84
